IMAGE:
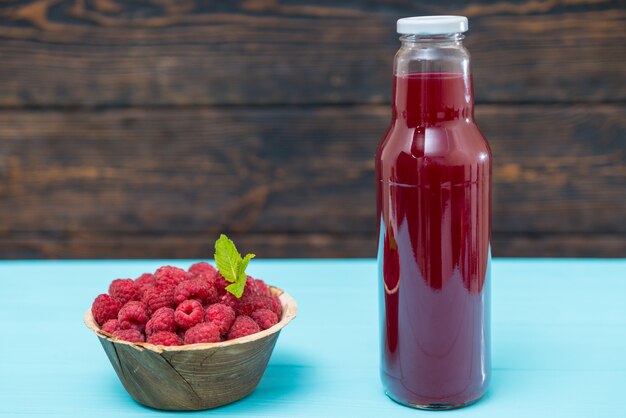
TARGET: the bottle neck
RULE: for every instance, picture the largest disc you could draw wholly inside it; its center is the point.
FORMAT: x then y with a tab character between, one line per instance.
440	40
432	80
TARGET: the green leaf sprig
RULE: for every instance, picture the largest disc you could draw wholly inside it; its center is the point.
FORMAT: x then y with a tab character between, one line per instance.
230	265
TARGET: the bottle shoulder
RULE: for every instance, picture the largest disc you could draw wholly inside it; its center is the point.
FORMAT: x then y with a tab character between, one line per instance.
458	144
447	140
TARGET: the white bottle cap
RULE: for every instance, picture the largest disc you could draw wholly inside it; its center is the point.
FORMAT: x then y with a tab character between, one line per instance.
432	25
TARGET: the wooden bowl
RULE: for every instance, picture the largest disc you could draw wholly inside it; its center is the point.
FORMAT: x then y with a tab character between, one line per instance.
195	376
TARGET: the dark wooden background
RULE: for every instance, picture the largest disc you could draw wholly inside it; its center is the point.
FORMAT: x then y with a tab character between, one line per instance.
144	128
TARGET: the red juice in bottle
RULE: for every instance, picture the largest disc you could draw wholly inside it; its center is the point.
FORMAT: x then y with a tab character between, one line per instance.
433	170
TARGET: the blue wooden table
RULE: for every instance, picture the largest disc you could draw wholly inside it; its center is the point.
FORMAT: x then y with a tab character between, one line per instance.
559	342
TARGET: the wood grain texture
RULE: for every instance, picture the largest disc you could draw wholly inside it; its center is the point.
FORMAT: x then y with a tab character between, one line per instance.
144	128
165	52
274	245
198	246
560	245
202	171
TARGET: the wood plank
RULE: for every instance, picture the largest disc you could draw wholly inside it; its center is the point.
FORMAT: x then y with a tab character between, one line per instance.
282	170
199	246
164	52
307	245
557	169
560	245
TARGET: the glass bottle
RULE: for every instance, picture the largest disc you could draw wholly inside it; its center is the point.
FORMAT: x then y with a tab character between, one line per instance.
433	170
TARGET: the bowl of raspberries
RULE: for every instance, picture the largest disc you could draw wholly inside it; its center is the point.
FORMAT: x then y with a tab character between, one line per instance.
191	339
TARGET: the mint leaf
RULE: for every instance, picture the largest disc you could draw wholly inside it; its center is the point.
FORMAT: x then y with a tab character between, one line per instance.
227	258
236	288
230	265
243	266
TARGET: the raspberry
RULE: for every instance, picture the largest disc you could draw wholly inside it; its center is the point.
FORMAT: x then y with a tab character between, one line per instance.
146	307
144	282
220	284
205	278
229	299
104	307
111	326
265	318
189	313
133	315
250	303
162	320
158	296
243	325
123	290
202	269
195	289
262	288
171	275
165	338
131	335
250	284
277	307
256	287
213	295
206	332
221	315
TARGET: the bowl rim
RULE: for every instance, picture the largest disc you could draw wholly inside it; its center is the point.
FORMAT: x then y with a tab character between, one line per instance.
290	311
